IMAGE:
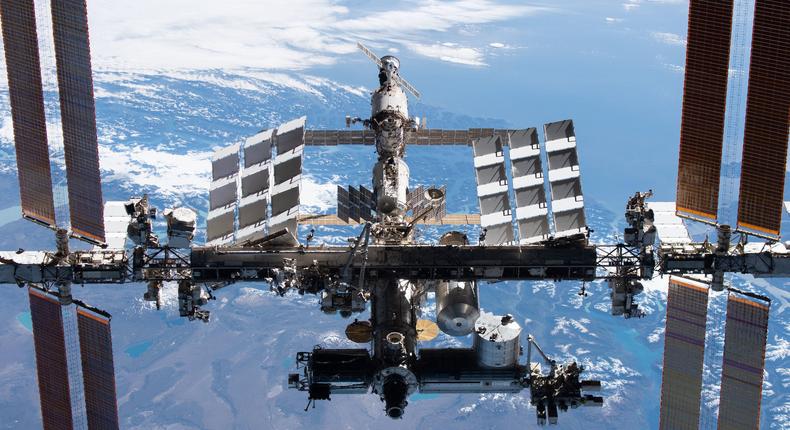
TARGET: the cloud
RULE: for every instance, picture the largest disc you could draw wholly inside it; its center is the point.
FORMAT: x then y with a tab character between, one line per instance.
610	20
669	38
451	53
203	34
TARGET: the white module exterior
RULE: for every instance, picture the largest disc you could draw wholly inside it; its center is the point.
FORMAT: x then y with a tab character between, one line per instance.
392	99
391	184
497	341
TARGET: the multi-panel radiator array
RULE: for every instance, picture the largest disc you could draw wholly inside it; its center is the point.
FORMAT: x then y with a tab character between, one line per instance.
528	185
743	362
262	197
77	108
58	407
765	137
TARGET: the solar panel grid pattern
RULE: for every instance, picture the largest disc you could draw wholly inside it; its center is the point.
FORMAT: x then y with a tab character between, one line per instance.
98	371
743	365
51	364
684	347
767	120
419	137
704	102
27	109
78	116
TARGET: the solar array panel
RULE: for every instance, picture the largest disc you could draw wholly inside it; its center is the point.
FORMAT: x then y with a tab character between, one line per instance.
704	102
51	361
98	371
532	214
684	348
567	201
767	121
419	137
343	203
492	190
78	117
743	364
20	42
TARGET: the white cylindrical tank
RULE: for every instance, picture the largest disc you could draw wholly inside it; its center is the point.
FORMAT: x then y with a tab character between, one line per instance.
497	340
391	99
456	307
391	179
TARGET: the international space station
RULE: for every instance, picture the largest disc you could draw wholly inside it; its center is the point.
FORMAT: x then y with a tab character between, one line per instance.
532	222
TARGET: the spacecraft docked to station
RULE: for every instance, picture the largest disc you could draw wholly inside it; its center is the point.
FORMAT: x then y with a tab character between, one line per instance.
532	222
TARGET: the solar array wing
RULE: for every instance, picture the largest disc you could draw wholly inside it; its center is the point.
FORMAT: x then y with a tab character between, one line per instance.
704	102
20	42
354	199
98	371
343	203
744	363
51	360
670	227
528	184
767	121
567	201
420	137
492	190
684	348
415	199
339	137
367	205
78	118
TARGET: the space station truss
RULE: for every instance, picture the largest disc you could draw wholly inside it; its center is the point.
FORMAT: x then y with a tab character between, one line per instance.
764	164
246	204
27	110
529	185
743	363
98	370
567	201
704	101
492	190
51	360
684	349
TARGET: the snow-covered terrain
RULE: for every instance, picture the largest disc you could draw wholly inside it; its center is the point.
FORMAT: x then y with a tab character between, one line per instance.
156	134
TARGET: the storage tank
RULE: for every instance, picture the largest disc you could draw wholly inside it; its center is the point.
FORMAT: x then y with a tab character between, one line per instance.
497	340
457	307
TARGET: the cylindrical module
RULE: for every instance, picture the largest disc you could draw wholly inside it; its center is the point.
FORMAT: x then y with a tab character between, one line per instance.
393	319
389	99
497	341
457	307
391	180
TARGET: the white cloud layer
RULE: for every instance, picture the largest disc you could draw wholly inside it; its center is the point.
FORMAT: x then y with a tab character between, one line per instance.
669	38
204	34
